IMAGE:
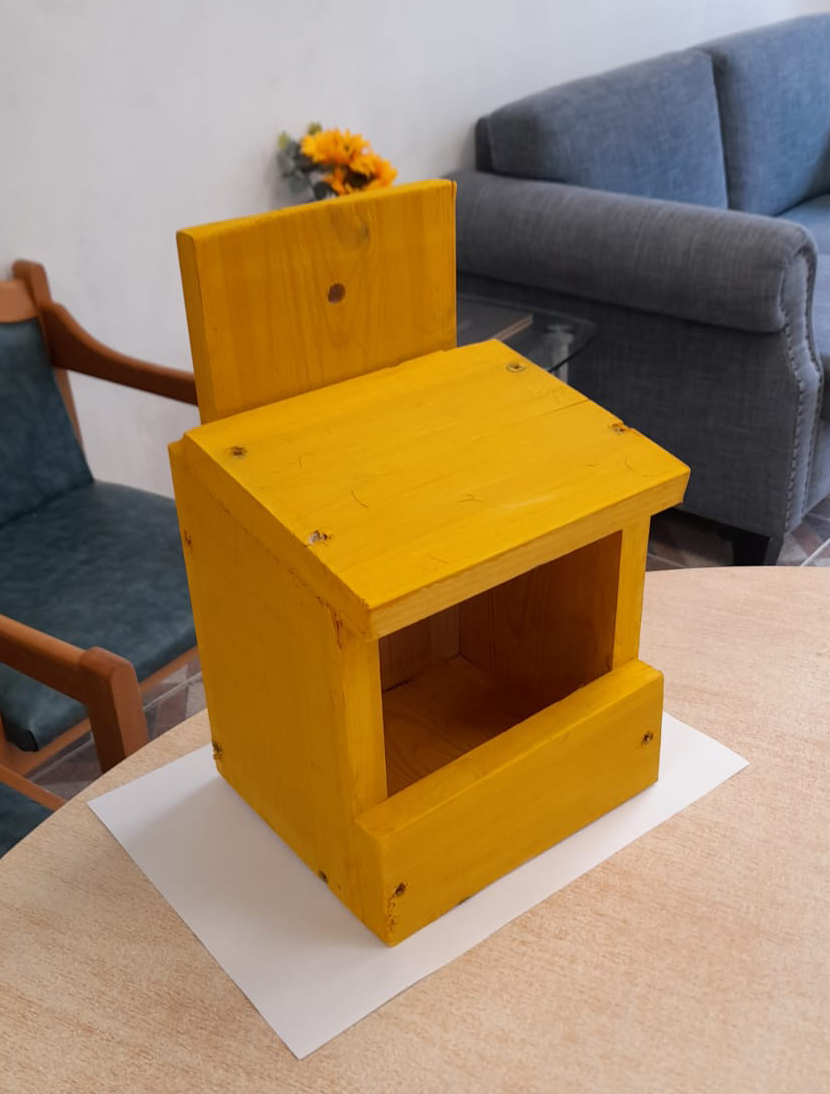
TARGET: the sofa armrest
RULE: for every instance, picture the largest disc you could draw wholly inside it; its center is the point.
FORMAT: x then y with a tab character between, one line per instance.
714	266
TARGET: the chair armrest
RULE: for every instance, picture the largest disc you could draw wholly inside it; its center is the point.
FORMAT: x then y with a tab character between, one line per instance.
24	786
74	349
714	266
105	683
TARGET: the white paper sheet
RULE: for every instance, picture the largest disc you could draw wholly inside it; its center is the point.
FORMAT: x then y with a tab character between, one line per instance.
309	967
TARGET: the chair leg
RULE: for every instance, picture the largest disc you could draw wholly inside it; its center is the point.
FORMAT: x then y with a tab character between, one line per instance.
754	549
113	700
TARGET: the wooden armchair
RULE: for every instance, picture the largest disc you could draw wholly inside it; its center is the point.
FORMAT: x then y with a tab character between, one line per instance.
91	574
106	685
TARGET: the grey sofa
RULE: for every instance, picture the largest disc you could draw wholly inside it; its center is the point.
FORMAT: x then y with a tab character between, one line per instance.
683	205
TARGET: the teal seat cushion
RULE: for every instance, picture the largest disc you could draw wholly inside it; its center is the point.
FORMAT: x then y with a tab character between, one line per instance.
40	457
18	816
100	566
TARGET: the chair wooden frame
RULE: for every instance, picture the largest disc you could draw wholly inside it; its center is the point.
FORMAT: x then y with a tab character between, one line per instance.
97	678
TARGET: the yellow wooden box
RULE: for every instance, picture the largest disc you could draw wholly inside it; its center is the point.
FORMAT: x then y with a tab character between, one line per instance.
417	596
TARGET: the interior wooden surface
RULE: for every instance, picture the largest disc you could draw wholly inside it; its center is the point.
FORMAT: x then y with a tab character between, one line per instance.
695	960
442	713
456	679
550	631
407	652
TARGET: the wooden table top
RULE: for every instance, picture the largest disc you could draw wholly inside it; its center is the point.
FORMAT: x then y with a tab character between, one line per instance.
695	960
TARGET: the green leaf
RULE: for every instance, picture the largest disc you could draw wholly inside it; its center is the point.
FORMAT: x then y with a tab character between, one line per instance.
313	127
322	190
283	141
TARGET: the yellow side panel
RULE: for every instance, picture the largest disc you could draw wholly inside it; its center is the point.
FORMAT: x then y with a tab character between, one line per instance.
632	574
303	297
294	698
456	830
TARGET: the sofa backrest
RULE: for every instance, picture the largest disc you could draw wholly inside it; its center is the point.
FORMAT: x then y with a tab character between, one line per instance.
649	129
773	87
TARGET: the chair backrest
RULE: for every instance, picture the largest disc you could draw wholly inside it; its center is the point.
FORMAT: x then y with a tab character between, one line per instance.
296	299
40	456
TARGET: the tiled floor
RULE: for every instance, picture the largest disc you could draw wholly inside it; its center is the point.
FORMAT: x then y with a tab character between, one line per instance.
170	702
680	540
677	540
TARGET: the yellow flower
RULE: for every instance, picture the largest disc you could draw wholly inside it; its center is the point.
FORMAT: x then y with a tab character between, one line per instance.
333	148
377	170
338	182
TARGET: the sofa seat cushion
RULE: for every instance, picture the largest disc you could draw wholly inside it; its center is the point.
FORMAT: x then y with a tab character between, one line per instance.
815	217
18	816
100	566
40	457
774	93
650	129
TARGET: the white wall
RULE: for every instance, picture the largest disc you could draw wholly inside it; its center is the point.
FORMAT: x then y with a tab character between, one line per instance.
123	121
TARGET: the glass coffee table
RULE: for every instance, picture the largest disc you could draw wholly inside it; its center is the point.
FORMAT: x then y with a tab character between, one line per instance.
548	338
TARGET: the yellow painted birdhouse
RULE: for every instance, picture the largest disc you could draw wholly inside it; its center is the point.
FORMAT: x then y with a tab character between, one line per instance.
416	571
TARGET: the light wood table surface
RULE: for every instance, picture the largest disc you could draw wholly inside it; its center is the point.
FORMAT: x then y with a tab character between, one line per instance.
696	960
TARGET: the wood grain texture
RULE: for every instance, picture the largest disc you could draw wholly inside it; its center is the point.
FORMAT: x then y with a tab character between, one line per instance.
445	837
550	631
408	652
303	297
399	494
294	698
441	713
629	593
694	960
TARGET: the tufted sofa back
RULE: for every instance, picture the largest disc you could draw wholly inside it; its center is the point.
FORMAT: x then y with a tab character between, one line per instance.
773	88
742	122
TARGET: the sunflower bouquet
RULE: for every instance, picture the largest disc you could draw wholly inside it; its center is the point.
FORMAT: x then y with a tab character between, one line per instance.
332	162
